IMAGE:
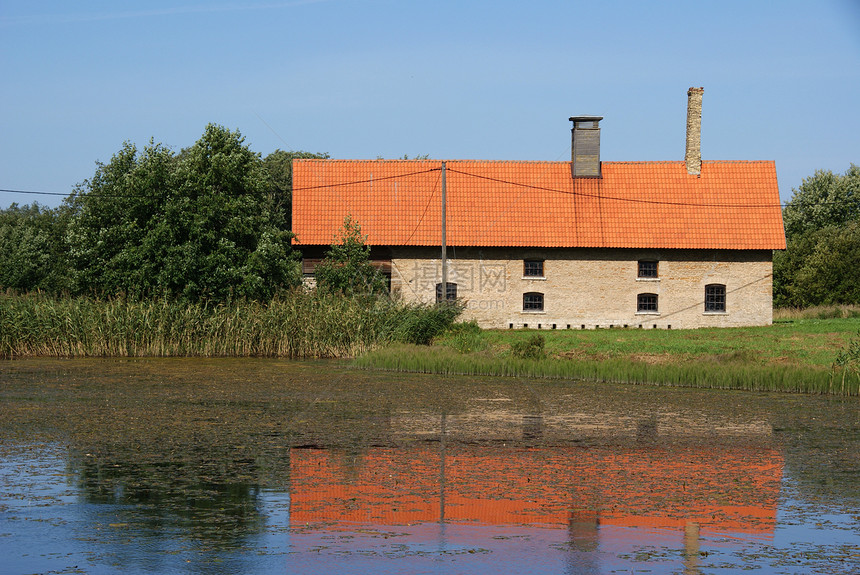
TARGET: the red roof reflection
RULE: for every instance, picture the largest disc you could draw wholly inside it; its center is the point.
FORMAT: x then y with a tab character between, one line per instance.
727	489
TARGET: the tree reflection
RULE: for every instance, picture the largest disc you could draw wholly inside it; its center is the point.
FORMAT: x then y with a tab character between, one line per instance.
169	499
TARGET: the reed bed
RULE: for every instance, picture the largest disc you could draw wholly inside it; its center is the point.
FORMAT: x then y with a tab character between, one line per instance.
751	377
300	324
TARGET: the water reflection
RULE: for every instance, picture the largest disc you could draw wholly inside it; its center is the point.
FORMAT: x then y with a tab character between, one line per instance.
596	493
721	490
228	467
167	498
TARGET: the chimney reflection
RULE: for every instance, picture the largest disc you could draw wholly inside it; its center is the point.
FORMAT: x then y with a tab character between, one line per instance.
532	429
583	542
691	549
442	436
646	430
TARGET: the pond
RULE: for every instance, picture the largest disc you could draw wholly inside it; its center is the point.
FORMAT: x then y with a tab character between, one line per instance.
272	466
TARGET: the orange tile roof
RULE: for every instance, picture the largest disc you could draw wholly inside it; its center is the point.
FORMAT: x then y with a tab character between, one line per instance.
733	205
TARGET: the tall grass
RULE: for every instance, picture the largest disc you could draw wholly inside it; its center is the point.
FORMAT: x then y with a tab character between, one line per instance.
816	312
445	360
299	324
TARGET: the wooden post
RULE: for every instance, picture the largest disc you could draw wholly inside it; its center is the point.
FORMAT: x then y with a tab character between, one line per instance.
444	240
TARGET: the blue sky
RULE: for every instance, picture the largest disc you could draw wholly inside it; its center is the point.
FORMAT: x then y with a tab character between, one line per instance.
456	80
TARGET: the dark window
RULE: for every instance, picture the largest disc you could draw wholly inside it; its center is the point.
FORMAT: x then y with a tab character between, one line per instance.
646	302
715	297
309	265
533	301
450	292
533	268
647	269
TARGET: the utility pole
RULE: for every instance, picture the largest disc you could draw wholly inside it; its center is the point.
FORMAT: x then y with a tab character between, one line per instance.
444	243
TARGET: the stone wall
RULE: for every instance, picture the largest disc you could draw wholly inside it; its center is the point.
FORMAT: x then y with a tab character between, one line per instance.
590	288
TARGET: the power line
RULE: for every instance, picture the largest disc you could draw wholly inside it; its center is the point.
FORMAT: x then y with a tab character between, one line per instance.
616	198
33	193
323	186
554	190
424	213
478	176
367	181
100	195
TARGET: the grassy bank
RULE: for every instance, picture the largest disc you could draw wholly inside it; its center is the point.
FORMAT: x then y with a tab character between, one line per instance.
300	324
797	355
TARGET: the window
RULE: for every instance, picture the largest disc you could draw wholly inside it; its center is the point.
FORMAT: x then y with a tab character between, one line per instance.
450	292
715	298
647	269
533	301
646	302
533	268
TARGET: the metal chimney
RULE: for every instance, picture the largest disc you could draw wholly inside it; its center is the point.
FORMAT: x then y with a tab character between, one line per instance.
585	146
693	156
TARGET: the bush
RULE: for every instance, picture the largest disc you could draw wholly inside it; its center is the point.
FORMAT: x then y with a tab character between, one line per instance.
467	337
420	324
531	348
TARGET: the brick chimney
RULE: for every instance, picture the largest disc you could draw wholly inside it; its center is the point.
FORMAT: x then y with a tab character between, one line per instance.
693	157
585	146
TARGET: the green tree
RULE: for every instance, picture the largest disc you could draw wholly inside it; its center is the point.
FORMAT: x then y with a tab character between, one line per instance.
112	215
821	263
32	248
279	167
203	224
825	199
347	267
819	267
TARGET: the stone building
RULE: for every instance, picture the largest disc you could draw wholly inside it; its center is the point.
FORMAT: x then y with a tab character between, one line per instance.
561	245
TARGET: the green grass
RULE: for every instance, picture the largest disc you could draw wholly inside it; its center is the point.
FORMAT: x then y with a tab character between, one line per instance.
798	343
300	324
791	355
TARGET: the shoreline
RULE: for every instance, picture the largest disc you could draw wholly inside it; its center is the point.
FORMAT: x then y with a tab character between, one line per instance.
795	356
